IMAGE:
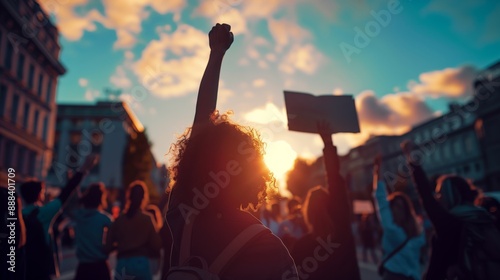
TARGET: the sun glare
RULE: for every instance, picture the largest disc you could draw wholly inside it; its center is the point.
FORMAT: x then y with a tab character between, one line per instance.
280	158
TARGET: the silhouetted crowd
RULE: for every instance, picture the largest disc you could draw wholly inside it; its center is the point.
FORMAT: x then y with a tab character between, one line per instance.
215	220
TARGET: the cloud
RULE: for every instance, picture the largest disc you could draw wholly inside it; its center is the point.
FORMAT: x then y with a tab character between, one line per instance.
120	78
172	65
258	83
262	8
452	83
304	58
267	114
83	82
125	17
391	114
224	11
286	32
91	94
72	25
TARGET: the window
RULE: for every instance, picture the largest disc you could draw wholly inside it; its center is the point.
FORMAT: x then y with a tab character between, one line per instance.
15	105
469	144
466	169
45	128
477	166
26	115
35	122
49	90
31	163
21	159
8	56
31	76
20	67
75	138
3	99
8	160
457	148
40	85
447	151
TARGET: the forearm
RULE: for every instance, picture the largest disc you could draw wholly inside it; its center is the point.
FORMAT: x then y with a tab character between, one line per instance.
71	186
207	94
337	187
437	214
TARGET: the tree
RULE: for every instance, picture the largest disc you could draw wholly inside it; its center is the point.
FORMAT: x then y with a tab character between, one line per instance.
304	176
138	163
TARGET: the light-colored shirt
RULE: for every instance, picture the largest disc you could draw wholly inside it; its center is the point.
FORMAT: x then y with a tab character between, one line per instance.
407	260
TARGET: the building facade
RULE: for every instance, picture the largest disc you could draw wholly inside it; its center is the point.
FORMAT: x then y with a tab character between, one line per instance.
29	71
487	127
465	141
104	129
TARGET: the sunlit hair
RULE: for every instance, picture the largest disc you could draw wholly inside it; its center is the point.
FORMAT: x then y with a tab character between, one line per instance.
404	213
316	211
203	160
453	190
137	198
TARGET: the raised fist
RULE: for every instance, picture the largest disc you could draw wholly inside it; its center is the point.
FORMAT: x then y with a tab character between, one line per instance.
220	37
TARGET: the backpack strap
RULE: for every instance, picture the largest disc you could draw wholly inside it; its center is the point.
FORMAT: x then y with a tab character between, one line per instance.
393	253
185	250
234	246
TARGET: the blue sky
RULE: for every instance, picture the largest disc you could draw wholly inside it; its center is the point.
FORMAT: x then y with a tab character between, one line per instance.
424	56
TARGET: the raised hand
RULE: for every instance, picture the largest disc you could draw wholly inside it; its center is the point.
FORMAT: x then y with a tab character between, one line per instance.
89	163
220	37
325	132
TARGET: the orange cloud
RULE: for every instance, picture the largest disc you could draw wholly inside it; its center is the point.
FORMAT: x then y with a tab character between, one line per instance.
304	58
451	82
125	17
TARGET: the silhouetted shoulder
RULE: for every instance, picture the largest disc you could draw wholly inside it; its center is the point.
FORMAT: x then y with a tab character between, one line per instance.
264	257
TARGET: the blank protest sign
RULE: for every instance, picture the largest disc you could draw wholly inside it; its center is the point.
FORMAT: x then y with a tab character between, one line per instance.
305	110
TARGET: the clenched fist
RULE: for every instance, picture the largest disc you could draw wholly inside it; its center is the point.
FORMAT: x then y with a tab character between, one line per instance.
220	37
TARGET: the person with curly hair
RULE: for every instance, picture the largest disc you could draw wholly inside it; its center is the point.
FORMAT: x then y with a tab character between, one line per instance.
218	172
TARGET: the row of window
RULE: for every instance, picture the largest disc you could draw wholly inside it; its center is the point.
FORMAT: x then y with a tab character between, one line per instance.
29	112
17	156
8	62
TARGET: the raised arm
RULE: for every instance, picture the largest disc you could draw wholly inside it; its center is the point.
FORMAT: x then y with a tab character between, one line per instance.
75	180
380	194
437	214
340	210
220	39
336	183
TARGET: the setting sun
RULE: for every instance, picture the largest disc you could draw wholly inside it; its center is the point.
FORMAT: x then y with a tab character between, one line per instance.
279	157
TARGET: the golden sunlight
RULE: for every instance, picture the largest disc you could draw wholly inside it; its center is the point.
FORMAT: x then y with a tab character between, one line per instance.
279	157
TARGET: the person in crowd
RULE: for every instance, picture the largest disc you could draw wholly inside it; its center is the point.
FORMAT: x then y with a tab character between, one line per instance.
218	170
91	226
272	218
294	226
133	235
328	215
38	217
155	259
403	237
367	231
466	244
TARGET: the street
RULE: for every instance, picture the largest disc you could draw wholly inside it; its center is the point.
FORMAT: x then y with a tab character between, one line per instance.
69	264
